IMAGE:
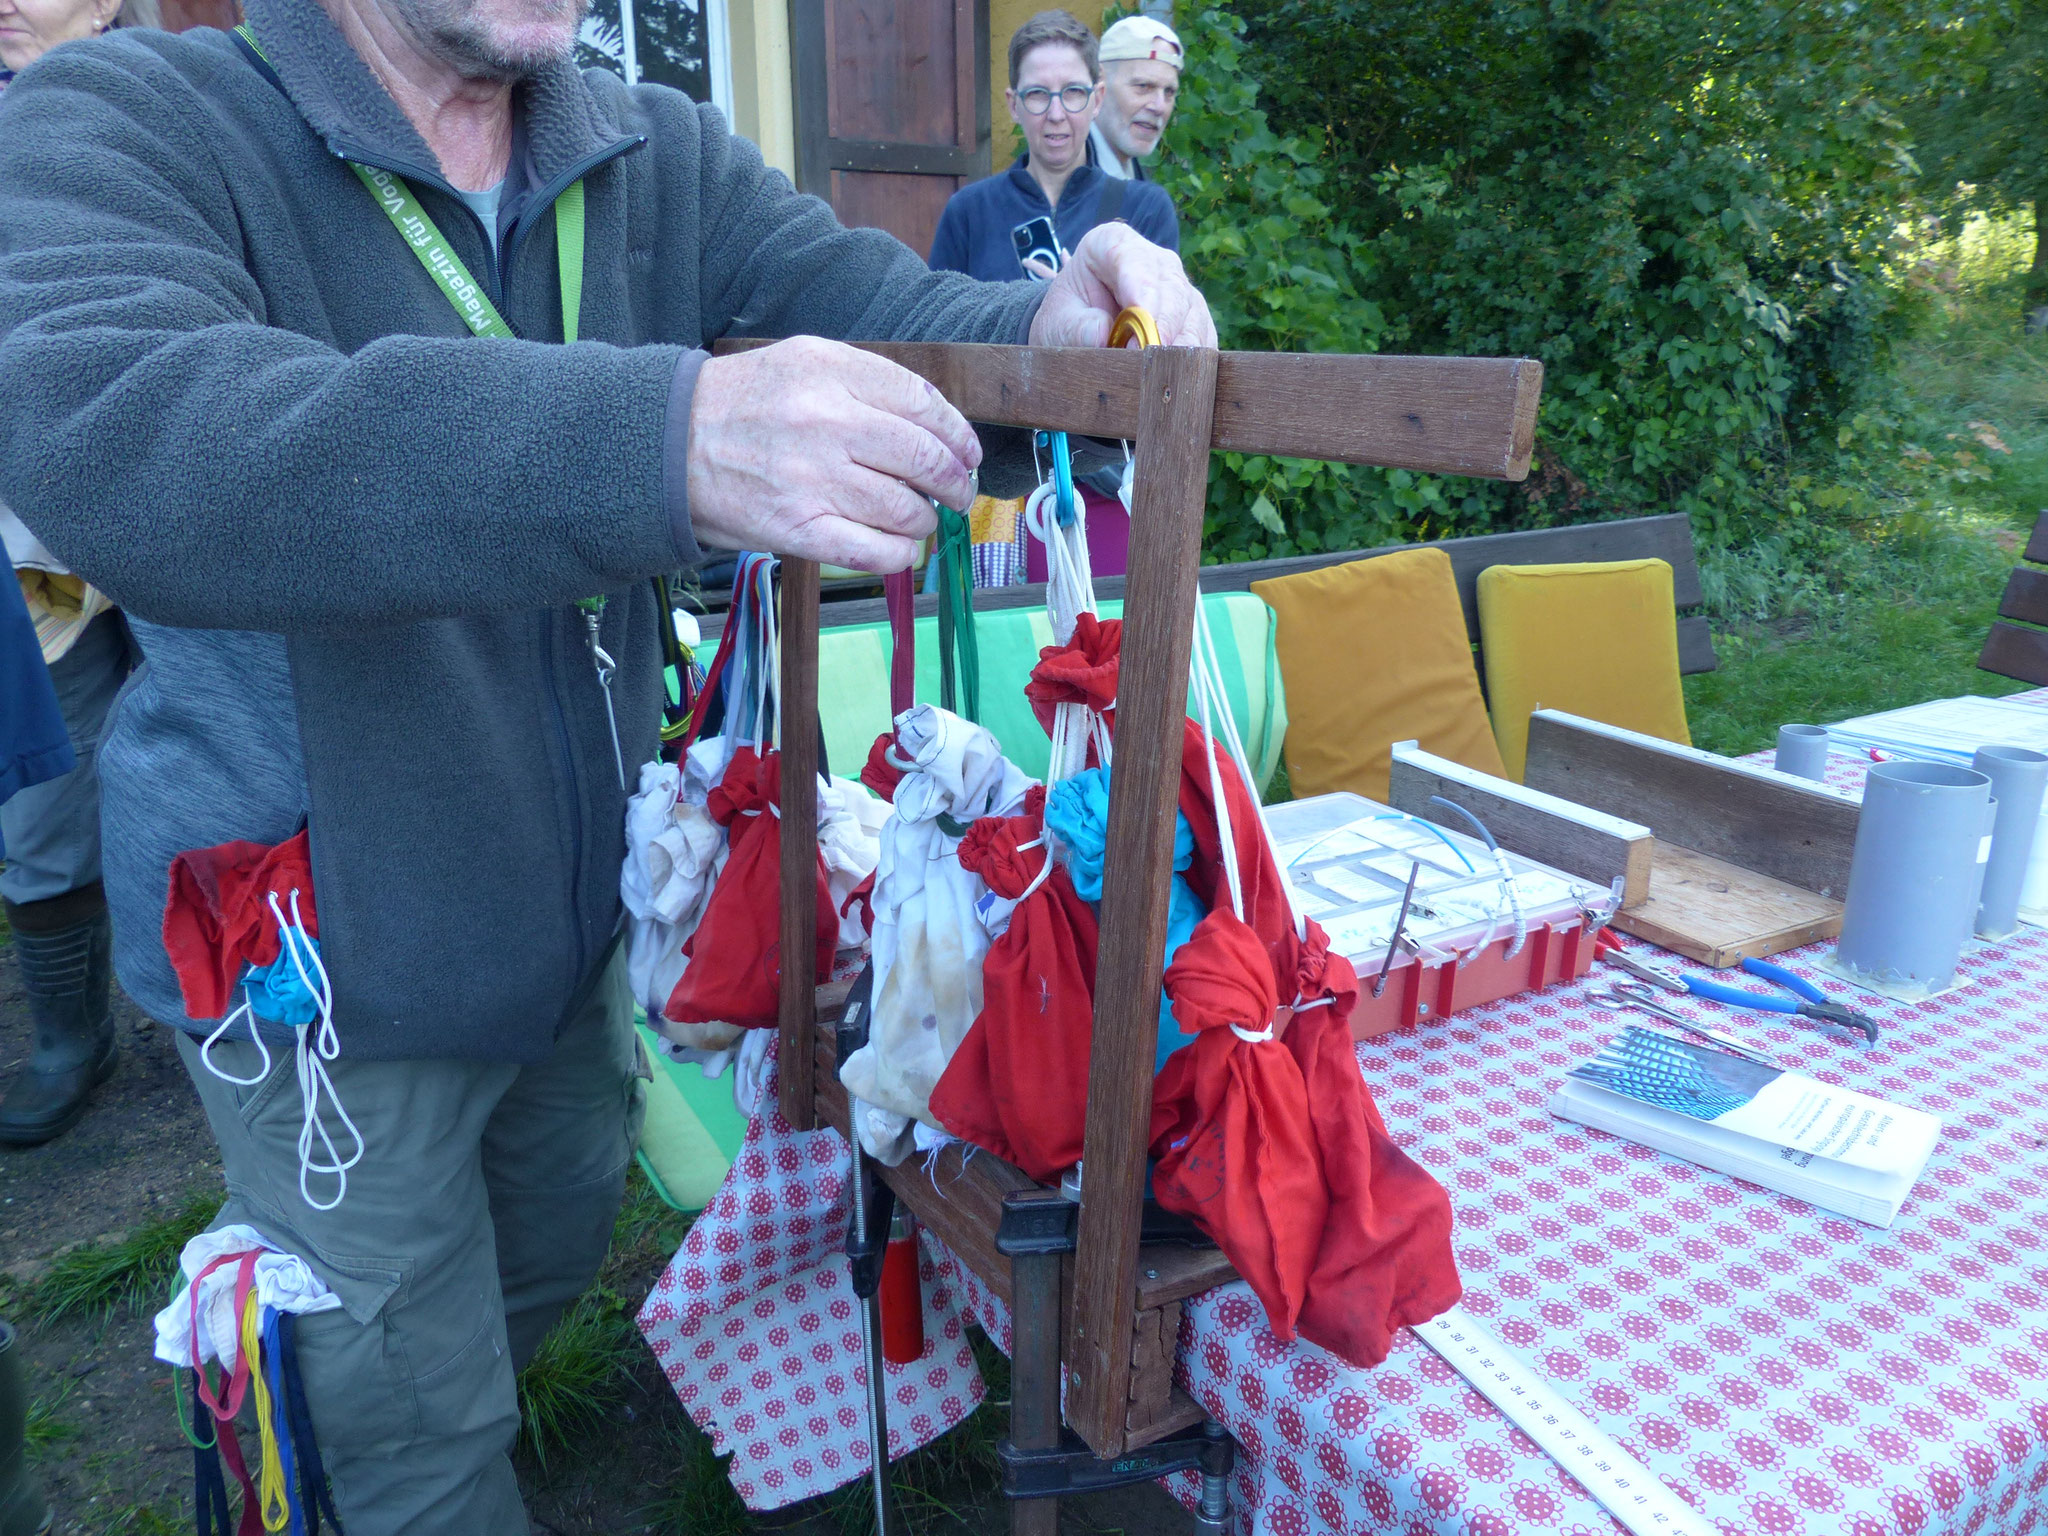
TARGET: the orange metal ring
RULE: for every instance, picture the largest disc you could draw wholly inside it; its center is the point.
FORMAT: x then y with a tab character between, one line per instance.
1134	324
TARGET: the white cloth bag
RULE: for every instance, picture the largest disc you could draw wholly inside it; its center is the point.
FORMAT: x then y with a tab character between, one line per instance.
928	945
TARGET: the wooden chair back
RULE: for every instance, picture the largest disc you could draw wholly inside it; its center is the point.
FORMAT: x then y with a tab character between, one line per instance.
2012	649
1667	537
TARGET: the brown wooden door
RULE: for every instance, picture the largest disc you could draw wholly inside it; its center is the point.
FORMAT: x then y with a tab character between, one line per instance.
891	107
180	14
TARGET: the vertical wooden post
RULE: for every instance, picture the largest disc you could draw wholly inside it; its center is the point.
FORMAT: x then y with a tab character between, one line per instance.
1176	420
1035	1378
796	1047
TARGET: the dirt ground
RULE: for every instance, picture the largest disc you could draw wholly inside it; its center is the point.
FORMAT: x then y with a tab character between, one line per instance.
112	1458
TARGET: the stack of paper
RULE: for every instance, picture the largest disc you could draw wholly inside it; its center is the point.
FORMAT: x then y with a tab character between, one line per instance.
1947	730
1841	1150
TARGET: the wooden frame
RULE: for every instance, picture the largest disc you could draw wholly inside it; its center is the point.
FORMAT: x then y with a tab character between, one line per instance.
1446	415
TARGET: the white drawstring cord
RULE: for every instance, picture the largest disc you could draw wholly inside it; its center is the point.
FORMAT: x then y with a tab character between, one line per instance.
316	1045
1069	593
1225	839
1209	675
255	1034
1044	868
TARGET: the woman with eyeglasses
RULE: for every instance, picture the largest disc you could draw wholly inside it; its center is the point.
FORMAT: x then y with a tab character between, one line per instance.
1027	220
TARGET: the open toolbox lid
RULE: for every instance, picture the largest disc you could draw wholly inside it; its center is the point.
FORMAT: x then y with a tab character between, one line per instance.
1472	934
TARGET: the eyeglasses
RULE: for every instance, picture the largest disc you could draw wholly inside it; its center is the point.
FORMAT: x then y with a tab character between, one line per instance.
1037	100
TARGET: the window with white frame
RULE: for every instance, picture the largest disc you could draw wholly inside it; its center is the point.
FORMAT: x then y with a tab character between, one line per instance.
665	42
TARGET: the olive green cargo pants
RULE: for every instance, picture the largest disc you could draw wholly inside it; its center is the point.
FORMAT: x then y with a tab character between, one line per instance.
482	1208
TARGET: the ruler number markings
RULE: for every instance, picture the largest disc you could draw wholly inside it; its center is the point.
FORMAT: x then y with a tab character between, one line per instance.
1606	1470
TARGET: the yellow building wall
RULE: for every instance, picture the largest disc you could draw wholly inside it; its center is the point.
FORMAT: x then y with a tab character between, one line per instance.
763	105
1005	17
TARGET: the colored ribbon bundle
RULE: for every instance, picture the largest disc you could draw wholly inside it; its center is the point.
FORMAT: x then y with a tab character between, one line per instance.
239	1308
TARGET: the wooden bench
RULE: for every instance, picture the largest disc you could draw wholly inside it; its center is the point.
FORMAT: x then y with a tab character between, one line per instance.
2012	649
1667	537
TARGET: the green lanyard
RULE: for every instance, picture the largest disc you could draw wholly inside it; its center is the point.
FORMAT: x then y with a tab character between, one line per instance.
462	291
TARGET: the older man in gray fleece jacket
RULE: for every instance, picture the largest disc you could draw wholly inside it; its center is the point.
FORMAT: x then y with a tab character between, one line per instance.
353	518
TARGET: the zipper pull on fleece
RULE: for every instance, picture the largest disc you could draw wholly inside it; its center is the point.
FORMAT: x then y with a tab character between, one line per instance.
593	616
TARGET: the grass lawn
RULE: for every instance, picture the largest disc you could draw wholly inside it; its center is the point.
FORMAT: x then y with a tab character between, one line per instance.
1889	604
1887	645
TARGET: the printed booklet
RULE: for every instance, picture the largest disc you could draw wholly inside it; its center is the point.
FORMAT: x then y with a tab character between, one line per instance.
1841	1150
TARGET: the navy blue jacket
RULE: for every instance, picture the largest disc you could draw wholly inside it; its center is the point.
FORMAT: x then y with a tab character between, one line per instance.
34	745
974	231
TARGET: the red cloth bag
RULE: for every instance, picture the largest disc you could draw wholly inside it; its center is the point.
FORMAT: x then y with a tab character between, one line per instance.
735	970
878	773
1385	1258
1266	908
1231	1122
1018	1085
217	918
1083	671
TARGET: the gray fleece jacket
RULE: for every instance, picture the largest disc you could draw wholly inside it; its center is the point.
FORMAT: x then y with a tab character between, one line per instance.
352	533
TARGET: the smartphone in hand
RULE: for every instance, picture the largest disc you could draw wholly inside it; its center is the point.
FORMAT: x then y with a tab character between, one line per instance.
1036	241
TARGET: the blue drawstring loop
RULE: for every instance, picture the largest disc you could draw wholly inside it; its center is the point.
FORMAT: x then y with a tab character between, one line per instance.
1062	475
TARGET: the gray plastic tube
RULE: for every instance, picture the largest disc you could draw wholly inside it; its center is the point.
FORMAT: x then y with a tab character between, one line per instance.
2019	779
1914	877
1803	749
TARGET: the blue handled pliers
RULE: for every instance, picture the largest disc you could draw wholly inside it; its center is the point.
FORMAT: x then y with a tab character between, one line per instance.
1807	1000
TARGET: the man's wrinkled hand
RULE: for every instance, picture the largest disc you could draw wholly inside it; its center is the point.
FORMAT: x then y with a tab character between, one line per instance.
1113	268
818	450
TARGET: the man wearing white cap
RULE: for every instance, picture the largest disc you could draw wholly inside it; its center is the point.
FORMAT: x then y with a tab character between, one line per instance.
1141	61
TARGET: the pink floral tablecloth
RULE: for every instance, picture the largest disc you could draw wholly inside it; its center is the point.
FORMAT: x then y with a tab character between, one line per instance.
1788	1372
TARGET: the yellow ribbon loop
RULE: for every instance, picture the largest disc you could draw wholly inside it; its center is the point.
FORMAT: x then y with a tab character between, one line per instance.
270	1489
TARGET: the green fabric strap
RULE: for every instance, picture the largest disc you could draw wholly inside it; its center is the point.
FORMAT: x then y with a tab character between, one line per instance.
462	291
569	256
956	617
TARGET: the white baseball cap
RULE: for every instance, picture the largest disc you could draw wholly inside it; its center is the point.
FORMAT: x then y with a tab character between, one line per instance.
1140	37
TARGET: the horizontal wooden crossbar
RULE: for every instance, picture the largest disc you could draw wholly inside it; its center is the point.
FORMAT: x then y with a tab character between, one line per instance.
1440	415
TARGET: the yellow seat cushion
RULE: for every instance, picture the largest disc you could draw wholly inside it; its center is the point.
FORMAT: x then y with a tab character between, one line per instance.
1373	652
1599	640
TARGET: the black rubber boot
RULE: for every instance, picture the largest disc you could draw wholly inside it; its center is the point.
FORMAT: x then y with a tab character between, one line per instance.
22	1511
67	971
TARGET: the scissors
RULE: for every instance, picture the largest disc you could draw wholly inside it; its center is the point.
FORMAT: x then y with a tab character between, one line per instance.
1806	1001
1623	995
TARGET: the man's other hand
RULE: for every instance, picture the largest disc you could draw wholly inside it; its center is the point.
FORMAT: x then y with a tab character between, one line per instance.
1111	269
815	449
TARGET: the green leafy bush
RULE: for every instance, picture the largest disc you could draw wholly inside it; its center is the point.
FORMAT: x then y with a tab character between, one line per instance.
1684	209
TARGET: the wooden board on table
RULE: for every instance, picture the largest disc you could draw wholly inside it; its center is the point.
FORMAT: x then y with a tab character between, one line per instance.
1590	844
1720	914
1776	824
